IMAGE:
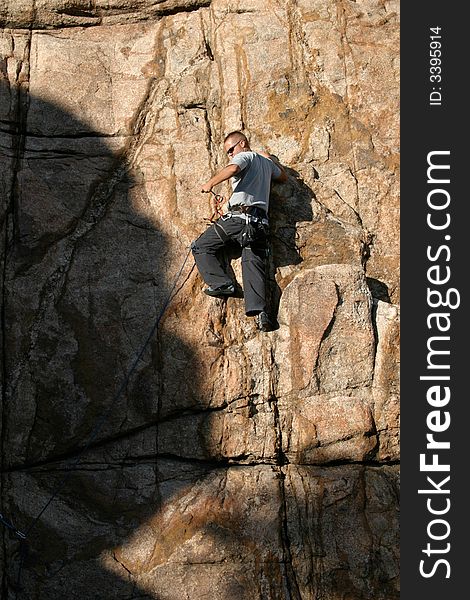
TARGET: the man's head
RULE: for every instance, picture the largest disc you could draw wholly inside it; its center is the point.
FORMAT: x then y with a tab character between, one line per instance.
236	142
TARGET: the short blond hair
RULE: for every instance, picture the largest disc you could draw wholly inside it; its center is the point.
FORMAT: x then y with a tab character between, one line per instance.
241	135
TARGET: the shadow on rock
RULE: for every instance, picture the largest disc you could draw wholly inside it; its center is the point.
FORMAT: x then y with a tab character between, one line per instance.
291	203
86	272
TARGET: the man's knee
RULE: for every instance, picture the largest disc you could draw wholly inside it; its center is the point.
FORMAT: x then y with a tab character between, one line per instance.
200	245
208	242
198	248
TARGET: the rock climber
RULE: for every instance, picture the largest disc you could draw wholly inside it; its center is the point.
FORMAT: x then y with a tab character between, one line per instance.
244	223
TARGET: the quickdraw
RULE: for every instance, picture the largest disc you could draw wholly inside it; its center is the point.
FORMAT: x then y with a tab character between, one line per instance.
219	200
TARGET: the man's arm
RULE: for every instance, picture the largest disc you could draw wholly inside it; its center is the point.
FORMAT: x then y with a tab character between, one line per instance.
283	176
223	175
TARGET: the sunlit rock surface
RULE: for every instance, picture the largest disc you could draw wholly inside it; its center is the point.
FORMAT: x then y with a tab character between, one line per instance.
222	463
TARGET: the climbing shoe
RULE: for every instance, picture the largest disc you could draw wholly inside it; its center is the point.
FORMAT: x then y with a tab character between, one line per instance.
228	289
264	322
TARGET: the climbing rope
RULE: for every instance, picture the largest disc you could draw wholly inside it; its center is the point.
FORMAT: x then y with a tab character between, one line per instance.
9	525
23	537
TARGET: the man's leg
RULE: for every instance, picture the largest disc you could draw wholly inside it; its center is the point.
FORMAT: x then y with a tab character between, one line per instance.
254	278
207	247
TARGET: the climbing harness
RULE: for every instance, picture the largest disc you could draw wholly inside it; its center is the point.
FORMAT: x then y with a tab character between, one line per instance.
256	224
23	536
255	229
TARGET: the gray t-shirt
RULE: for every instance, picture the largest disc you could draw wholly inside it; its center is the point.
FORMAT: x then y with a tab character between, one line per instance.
252	184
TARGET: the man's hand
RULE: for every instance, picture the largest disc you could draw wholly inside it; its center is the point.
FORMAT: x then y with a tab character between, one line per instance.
206	188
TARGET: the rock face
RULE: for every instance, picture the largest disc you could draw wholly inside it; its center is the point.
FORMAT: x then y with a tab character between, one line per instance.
219	463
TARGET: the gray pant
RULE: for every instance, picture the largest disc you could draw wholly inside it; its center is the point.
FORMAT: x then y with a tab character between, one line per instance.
208	252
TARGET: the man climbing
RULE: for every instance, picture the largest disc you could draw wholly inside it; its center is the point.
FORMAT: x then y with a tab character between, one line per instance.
245	223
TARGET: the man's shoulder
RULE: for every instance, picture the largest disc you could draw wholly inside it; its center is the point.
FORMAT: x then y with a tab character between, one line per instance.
243	159
246	154
249	156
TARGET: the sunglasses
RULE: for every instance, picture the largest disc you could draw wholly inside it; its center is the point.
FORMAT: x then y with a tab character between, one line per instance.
230	150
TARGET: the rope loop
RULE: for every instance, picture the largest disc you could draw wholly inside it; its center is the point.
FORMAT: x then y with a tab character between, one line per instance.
219	200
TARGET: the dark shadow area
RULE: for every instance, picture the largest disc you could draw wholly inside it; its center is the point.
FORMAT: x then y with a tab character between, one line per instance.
291	203
378	289
84	276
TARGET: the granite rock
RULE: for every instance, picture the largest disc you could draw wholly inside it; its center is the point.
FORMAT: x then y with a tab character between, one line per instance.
208	460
